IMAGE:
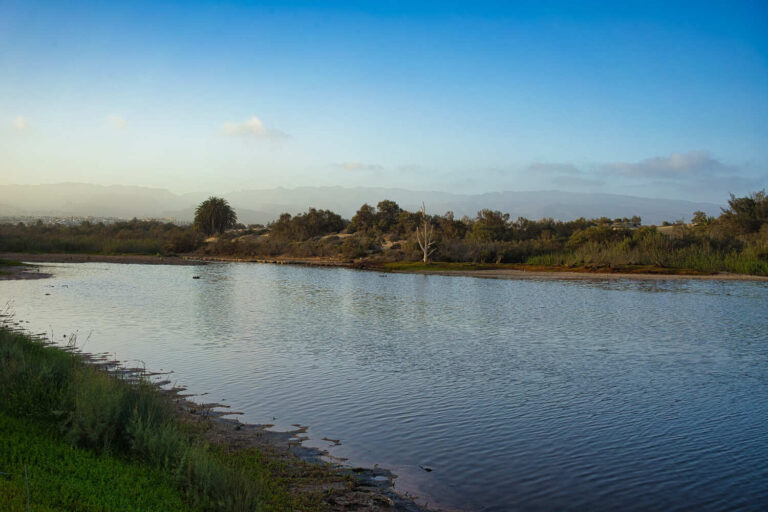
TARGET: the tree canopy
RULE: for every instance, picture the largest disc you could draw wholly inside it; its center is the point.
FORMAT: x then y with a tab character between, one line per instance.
747	214
307	225
214	216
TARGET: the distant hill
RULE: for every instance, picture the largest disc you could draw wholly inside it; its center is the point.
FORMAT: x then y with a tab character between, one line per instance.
80	199
262	206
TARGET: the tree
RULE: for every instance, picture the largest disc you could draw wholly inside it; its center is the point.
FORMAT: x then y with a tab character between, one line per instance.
214	216
387	213
450	227
747	214
364	219
701	219
307	225
424	235
490	225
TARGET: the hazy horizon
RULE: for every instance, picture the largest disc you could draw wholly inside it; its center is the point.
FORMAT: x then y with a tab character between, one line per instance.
220	191
265	205
642	98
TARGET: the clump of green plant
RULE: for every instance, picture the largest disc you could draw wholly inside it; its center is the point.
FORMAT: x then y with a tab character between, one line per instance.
38	466
98	411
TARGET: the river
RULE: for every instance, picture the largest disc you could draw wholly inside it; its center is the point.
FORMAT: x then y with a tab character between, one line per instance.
488	395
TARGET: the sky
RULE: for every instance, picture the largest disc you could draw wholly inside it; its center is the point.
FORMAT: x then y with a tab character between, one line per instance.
658	99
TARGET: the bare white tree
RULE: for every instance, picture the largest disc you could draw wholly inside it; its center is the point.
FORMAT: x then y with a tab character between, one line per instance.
424	235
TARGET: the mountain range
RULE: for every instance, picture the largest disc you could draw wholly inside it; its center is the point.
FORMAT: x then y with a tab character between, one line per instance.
265	205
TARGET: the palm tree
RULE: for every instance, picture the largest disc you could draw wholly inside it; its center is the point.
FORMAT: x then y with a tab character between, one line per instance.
214	216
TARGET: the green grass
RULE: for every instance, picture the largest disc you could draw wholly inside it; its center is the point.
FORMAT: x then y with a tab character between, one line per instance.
105	432
100	412
63	477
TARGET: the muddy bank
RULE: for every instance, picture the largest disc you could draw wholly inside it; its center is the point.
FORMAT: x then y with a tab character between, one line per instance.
348	488
14	272
487	274
101	258
279	260
523	274
371	489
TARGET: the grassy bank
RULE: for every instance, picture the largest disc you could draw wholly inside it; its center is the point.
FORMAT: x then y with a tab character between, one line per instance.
74	437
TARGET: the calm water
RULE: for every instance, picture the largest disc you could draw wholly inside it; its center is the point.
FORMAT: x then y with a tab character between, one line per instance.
520	395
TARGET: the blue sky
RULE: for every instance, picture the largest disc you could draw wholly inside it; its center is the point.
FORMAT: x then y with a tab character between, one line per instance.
662	99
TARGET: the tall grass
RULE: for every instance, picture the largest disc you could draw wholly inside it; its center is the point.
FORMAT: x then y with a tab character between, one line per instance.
109	415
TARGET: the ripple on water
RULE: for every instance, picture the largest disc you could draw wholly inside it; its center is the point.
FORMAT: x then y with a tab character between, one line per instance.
518	395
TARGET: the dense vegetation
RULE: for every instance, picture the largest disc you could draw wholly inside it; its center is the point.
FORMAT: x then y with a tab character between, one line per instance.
73	437
735	241
127	237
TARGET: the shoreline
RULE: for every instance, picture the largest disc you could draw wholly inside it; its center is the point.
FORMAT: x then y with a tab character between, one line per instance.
495	273
372	488
60	257
366	489
23	272
581	276
372	485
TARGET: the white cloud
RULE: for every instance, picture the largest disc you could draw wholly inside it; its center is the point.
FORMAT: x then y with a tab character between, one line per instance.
676	165
20	123
117	122
359	166
252	127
